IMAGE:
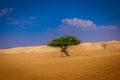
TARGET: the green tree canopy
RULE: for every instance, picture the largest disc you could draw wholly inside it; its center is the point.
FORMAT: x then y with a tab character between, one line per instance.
64	42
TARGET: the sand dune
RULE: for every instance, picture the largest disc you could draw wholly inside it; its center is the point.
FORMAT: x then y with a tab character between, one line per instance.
88	61
111	45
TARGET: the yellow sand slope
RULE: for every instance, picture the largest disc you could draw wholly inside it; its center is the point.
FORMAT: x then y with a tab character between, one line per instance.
88	61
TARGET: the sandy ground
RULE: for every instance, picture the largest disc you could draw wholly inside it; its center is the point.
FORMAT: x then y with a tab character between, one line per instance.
88	61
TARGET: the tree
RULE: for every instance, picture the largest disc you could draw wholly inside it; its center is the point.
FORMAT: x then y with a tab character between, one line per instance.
64	42
104	46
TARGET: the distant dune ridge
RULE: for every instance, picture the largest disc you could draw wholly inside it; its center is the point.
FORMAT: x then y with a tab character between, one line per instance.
87	61
110	45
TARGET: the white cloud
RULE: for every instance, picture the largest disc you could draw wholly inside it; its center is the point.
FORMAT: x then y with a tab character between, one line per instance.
75	22
87	30
28	21
107	27
84	25
6	11
32	17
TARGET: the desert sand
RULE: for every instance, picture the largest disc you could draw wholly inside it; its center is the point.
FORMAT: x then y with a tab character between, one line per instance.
88	61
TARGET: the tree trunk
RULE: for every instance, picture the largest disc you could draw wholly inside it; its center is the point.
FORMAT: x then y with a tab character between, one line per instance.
104	46
64	49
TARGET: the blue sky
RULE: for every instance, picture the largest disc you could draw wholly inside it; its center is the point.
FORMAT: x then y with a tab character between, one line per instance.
36	22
